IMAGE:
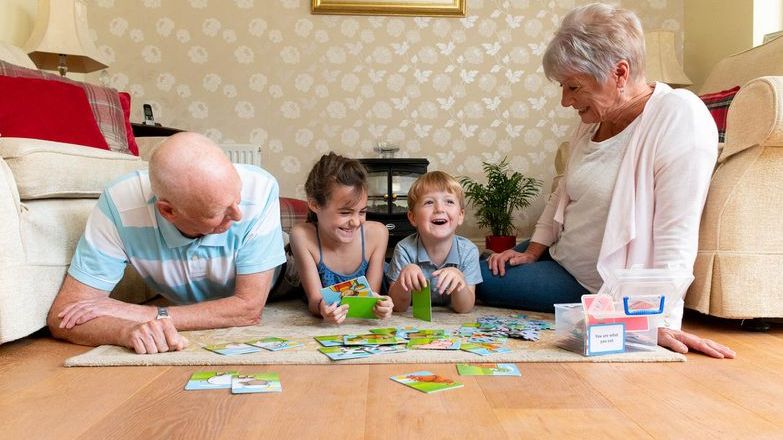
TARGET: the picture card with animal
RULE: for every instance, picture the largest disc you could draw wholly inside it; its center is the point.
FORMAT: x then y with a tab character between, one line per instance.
434	343
210	380
356	293
488	370
371	339
426	381
232	348
256	383
342	353
275	344
330	340
484	348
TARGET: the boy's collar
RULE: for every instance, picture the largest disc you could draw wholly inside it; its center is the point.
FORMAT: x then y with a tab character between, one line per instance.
451	258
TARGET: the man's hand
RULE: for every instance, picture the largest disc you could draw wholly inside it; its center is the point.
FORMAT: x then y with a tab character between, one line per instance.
384	306
333	313
156	336
412	278
450	280
680	341
497	262
85	310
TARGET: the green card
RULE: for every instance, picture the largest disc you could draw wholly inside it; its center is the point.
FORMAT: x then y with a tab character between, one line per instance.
360	306
422	305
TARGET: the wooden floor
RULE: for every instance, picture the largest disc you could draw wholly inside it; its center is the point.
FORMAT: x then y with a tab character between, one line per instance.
701	398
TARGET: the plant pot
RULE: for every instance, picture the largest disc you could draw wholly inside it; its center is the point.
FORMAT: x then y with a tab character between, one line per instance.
500	243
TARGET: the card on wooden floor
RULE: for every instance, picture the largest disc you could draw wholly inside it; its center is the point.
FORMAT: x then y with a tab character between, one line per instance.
232	348
356	287
488	370
422	304
256	383
210	380
275	344
426	381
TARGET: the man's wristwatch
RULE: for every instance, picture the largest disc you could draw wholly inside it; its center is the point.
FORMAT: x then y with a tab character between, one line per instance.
163	313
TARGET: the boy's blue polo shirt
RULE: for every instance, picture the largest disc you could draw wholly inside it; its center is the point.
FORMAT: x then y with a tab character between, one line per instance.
463	255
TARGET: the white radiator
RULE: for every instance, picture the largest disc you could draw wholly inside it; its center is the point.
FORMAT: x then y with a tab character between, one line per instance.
243	153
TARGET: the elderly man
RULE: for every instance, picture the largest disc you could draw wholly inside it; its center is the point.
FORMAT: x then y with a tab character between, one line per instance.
202	232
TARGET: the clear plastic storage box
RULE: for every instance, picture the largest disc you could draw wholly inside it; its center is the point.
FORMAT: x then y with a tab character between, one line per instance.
625	315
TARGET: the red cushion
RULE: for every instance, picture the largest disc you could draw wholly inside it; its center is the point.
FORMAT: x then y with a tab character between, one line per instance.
718	105
104	102
49	110
125	103
292	211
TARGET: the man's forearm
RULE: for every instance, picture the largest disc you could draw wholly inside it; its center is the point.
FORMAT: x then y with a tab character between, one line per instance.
99	331
220	313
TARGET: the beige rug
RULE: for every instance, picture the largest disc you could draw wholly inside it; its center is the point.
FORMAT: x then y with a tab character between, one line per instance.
292	321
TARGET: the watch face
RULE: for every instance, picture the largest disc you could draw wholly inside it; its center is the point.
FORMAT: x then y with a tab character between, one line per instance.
162	313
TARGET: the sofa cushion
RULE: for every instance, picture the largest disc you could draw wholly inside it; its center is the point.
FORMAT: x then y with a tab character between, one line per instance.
46	169
292	211
125	103
50	110
104	102
718	105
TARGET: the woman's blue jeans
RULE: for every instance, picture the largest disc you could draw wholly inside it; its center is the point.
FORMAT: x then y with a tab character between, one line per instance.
535	286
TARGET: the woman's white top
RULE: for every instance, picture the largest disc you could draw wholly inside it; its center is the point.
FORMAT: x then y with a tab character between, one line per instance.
590	181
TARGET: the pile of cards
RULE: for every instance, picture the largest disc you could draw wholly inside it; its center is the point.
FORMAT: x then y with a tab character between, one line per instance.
253	346
377	341
238	383
515	326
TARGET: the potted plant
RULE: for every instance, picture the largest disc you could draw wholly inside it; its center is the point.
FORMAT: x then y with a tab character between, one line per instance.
496	201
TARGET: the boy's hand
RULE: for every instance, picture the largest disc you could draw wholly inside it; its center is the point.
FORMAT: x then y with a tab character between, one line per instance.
384	306
333	313
412	278
450	280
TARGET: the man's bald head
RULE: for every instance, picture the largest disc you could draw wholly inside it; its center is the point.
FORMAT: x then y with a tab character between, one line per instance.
189	171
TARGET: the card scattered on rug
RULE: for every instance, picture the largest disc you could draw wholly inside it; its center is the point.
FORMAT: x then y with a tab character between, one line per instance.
291	321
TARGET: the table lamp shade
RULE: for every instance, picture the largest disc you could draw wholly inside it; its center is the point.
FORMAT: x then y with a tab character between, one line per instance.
662	64
61	40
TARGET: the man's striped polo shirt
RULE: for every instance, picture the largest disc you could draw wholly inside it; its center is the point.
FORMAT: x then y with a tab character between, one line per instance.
126	227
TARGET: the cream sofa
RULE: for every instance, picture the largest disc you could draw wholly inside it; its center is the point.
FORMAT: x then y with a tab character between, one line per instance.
47	190
741	237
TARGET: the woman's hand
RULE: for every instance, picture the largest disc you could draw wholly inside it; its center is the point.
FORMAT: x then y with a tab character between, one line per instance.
497	262
333	313
383	308
680	342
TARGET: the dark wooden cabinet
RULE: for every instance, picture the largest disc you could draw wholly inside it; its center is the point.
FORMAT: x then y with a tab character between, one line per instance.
387	193
142	130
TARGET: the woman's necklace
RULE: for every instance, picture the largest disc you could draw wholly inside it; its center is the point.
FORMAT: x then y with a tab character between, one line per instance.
630	111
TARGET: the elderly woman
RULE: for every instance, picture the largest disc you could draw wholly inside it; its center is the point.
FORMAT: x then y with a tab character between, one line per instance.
635	183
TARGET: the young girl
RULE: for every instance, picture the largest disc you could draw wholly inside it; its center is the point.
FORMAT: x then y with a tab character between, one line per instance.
337	243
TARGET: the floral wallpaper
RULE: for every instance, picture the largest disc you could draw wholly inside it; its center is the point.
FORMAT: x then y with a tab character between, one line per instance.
457	91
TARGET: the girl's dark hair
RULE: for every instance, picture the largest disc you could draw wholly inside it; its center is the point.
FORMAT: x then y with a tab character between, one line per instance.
331	170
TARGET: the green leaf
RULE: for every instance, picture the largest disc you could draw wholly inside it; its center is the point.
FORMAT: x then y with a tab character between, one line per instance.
504	193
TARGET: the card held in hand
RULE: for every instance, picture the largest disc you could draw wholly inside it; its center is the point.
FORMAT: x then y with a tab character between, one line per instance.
422	304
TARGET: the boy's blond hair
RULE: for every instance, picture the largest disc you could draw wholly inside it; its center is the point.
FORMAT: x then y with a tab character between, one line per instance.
435	181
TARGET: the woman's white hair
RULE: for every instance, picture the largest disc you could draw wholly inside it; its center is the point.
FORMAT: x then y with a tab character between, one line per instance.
592	39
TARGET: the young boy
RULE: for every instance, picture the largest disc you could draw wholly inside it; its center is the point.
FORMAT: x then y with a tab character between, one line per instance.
435	255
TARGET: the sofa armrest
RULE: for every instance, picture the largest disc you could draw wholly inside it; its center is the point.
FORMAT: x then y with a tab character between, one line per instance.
755	116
